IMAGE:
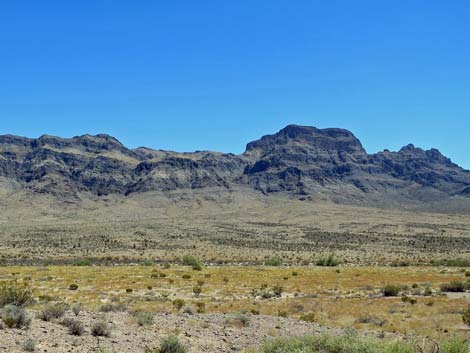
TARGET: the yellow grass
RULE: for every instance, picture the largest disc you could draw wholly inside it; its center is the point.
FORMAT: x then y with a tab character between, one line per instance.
338	298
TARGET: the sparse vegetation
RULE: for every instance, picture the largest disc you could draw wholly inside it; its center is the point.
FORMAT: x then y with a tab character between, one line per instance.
329	260
194	262
29	345
391	290
144	318
172	344
274	261
466	316
15	317
52	311
101	329
12	293
454	286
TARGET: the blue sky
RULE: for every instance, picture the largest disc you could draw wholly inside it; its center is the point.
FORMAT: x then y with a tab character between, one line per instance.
194	75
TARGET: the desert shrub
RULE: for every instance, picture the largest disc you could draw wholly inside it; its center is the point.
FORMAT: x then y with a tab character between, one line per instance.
455	346
458	262
76	309
15	317
197	290
239	319
178	303
390	290
277	290
29	345
466	316
82	262
107	308
309	317
406	299
454	286
274	261
201	307
172	344
329	260
194	262
348	343
74	326
100	329
144	318
186	276
188	310
15	294
129	290
73	286
52	311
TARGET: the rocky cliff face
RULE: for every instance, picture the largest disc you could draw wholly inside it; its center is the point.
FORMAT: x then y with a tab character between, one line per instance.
298	161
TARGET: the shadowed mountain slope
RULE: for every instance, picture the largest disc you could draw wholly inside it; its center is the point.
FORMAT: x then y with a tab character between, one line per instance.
298	161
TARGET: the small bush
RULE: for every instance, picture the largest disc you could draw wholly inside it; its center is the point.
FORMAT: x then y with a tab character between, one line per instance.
466	316
454	286
15	317
178	303
240	319
82	262
197	290
73	286
310	317
329	260
194	262
390	290
144	318
172	345
274	261
75	327
100	329
76	309
29	345
15	294
52	311
107	308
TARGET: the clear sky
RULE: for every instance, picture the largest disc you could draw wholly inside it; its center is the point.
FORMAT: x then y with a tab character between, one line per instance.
194	75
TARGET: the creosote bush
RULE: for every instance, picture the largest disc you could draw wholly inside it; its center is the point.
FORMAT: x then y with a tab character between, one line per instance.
274	261
454	286
390	290
74	326
144	318
15	294
466	317
194	262
15	317
172	344
29	345
100	329
107	308
52	311
329	260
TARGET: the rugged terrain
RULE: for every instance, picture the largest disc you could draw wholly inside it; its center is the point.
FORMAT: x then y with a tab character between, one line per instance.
300	162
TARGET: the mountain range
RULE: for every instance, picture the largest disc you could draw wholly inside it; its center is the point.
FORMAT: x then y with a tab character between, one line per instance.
300	162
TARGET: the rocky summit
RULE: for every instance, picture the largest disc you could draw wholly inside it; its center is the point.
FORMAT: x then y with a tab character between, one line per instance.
298	161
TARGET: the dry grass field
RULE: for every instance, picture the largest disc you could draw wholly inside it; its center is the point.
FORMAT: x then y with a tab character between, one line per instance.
337	296
109	255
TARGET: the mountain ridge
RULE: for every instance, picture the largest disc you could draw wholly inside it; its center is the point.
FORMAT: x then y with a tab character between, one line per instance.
298	161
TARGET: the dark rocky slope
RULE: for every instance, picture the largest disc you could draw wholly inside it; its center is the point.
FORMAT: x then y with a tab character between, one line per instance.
298	161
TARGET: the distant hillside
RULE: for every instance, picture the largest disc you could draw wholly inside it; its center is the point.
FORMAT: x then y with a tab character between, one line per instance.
299	162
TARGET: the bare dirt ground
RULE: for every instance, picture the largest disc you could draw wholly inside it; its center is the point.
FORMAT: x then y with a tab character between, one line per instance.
209	333
239	230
